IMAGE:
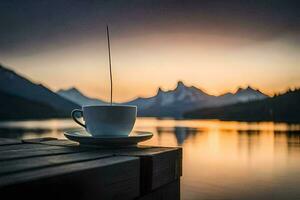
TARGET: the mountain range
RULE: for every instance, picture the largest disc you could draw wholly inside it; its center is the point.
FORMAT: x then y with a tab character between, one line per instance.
173	103
21	98
78	97
18	94
281	108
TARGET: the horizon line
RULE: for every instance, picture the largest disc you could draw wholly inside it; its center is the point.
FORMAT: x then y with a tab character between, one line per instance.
159	87
203	90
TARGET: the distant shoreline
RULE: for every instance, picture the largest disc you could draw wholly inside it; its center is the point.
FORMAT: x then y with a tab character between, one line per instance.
161	118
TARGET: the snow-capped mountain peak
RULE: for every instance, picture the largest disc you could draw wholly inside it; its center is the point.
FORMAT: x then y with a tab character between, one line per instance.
180	85
73	94
249	94
20	86
246	89
159	91
73	89
174	102
181	94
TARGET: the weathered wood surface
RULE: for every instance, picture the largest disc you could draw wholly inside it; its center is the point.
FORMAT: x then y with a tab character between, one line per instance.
170	191
61	168
8	141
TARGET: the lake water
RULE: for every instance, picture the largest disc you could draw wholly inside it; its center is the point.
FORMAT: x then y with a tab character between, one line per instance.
221	160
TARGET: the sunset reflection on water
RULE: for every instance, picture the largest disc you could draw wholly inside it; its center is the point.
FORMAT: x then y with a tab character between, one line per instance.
221	160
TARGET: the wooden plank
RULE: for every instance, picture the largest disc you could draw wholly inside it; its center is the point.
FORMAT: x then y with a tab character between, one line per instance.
159	165
51	141
9	141
106	178
166	167
143	150
13	166
22	146
39	140
27	153
169	191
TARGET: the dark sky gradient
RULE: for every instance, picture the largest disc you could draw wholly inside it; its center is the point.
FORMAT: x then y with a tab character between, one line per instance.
31	23
215	45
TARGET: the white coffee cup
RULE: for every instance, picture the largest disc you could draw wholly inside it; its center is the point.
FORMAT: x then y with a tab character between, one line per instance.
107	120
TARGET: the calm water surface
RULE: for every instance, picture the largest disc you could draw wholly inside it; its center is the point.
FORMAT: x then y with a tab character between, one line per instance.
221	160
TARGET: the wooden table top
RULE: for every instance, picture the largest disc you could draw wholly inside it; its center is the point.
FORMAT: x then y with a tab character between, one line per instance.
126	173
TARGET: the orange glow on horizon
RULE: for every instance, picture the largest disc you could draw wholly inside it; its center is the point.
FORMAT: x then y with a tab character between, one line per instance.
215	64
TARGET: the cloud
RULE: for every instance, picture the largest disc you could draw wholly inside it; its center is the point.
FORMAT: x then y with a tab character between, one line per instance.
32	25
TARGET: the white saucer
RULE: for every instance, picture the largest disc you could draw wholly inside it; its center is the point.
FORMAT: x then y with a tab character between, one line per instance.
85	138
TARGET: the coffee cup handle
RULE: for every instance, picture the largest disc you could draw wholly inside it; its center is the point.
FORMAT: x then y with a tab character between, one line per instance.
73	113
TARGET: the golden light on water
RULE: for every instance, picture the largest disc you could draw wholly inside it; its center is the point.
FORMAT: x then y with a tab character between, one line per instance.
223	160
232	160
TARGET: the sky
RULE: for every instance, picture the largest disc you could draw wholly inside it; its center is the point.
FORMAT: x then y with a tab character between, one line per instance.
217	46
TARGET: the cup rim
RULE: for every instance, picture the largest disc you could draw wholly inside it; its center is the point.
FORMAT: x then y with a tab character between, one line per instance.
130	106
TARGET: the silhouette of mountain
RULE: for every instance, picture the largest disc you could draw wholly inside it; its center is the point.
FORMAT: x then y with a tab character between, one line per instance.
77	97
173	103
241	95
15	108
284	107
15	85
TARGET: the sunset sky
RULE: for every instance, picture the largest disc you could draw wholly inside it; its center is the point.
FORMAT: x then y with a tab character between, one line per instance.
214	45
